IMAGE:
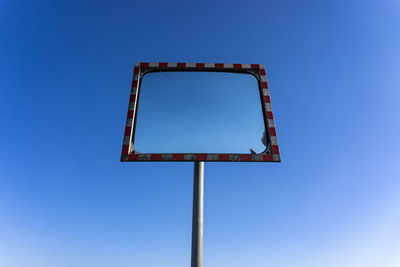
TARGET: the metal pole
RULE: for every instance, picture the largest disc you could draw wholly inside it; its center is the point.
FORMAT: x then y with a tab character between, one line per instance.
197	220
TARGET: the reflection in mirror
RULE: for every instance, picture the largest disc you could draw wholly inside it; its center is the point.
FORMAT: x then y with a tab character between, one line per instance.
199	112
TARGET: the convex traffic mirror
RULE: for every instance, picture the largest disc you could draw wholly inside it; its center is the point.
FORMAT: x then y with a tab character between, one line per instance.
199	112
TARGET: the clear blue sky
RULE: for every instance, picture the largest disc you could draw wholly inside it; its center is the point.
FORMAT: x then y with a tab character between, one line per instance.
65	75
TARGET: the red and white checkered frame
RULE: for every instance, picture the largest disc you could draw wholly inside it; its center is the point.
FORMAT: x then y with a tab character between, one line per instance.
271	154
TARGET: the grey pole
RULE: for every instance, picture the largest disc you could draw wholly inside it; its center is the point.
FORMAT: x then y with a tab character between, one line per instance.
197	220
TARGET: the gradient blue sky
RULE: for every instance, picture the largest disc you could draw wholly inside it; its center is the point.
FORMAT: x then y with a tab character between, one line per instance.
65	74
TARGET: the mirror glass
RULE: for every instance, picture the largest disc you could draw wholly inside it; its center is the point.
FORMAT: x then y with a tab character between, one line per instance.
199	112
